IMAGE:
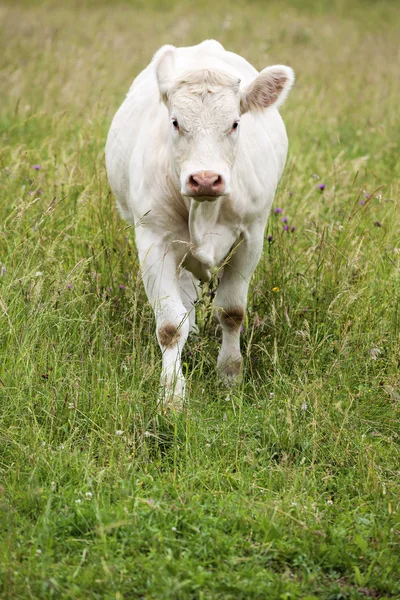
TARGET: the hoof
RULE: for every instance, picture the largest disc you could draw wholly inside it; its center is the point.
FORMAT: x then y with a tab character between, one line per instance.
172	395
231	370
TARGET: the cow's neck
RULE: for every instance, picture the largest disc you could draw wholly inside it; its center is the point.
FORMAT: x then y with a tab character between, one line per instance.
203	217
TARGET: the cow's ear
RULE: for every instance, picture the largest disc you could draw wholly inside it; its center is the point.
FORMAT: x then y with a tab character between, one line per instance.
270	87
164	63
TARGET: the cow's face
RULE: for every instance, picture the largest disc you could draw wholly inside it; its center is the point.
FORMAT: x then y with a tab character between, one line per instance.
204	111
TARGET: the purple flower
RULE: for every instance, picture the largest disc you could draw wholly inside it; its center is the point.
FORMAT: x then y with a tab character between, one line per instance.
121	286
278	210
293	229
362	202
70	286
378	224
286	228
270	238
36	167
284	220
321	186
290	193
368	196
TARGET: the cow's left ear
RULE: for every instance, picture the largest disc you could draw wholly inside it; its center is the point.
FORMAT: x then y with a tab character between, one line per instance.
164	61
270	87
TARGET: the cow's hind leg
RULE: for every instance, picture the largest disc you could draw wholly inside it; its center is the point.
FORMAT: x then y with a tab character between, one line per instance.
159	271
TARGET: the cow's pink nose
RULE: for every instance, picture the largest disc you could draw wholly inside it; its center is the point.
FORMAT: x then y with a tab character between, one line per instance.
206	183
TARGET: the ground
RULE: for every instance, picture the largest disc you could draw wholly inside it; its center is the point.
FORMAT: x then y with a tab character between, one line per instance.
284	488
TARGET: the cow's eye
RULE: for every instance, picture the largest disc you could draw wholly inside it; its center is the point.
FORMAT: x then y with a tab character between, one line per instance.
175	124
235	125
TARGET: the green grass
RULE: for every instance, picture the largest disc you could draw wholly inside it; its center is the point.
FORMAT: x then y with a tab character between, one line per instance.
287	488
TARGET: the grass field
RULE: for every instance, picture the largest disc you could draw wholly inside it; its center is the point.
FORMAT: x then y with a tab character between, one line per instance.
287	488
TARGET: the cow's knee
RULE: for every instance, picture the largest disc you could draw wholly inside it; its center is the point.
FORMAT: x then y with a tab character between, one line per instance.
173	333
169	335
232	318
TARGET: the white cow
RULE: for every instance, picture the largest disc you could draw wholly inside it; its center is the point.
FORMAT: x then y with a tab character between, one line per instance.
194	156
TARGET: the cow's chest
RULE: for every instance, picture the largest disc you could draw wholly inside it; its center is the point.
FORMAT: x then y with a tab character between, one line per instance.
213	234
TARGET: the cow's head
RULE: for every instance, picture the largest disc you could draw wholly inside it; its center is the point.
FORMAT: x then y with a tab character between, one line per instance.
205	107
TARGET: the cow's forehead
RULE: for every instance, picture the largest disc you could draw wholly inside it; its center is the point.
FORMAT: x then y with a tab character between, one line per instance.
191	100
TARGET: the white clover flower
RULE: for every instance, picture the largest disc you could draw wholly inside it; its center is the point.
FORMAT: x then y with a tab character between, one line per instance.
119	432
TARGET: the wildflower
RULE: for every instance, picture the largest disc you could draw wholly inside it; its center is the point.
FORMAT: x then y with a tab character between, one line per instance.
70	286
119	432
276	289
284	220
122	287
38	552
3	270
315	176
147	434
270	238
329	502
174	529
71	405
53	486
78	501
277	211
290	194
378	224
368	196
362	202
304	406
38	273
293	229
271	395
321	186
286	228
88	495
36	167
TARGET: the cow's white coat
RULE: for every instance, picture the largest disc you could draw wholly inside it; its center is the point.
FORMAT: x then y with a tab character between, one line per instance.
181	239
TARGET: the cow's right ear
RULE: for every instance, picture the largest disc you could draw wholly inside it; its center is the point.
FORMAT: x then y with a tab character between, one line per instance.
164	64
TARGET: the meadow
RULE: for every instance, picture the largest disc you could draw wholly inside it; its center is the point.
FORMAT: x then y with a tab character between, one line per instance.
286	487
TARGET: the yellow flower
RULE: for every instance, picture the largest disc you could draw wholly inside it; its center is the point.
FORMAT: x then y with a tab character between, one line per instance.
276	289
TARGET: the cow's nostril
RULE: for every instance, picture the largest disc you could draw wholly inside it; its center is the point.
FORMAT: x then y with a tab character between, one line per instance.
218	181
193	182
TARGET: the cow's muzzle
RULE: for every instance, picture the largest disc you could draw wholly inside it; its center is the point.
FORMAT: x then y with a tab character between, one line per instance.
205	184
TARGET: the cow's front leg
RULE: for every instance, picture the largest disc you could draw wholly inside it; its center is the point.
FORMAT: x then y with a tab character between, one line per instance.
159	264
231	300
